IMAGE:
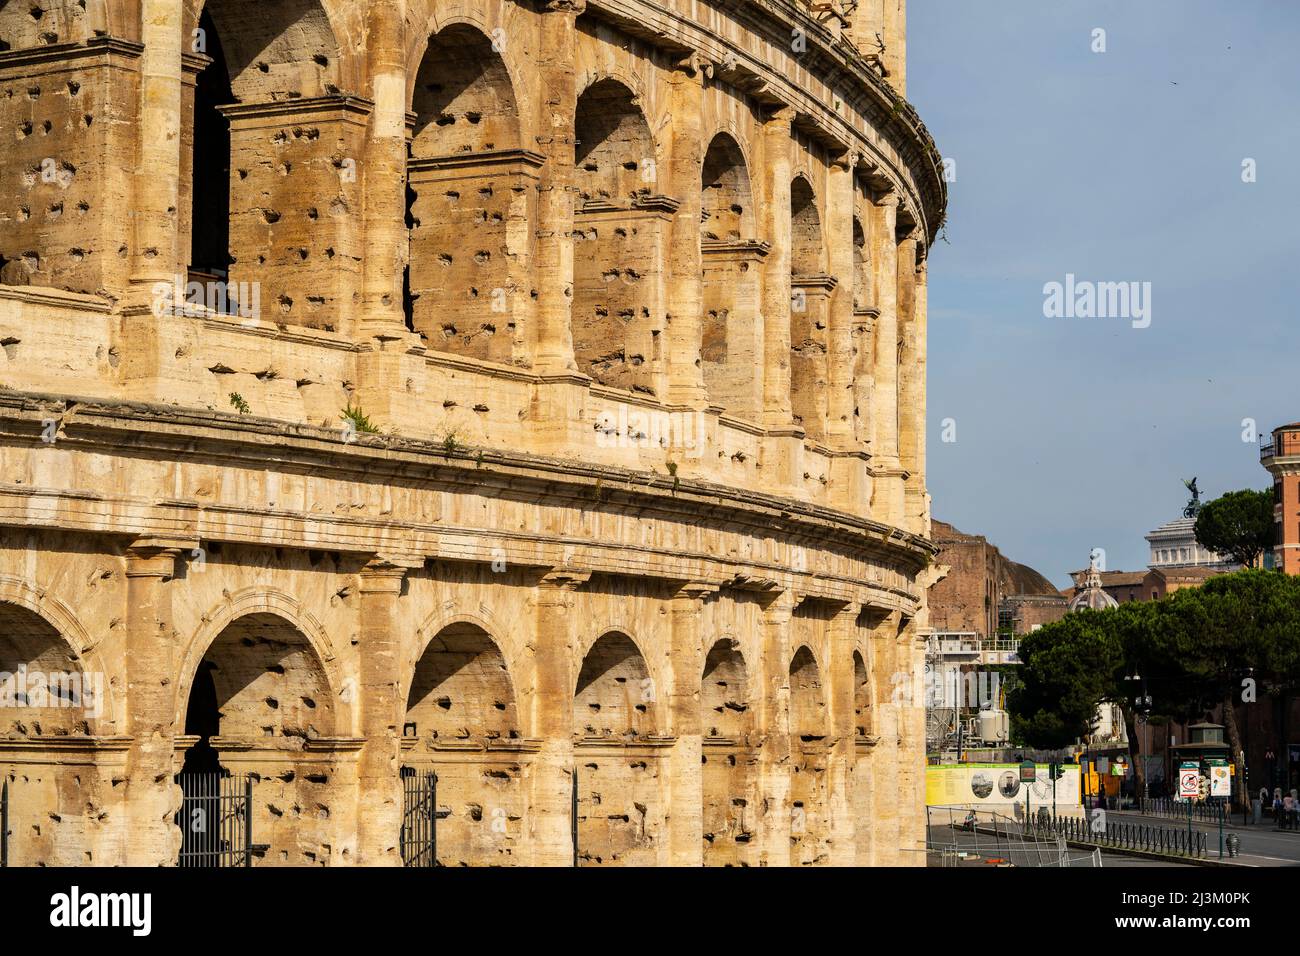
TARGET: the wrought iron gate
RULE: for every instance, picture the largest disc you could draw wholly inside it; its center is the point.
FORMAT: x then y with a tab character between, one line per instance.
216	820
419	839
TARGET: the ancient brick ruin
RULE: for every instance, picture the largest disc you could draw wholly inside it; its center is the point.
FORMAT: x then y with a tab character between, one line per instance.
525	396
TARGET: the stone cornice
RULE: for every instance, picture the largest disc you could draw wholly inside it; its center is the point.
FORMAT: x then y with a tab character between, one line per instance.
322	107
241	441
63	55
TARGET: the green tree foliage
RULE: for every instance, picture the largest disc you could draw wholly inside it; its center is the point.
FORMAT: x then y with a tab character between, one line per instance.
1194	651
1239	525
1066	668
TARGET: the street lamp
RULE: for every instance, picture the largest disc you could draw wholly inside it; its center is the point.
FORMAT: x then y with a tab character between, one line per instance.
1142	707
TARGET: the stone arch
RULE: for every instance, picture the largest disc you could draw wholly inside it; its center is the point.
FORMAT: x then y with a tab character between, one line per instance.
285	50
731	341
618	767
615	153
271	202
807	701
861	267
864	717
256	601
462	712
614	695
46	688
463	96
809	761
620	230
260	701
807	256
268	680
460	688
26	25
809	312
725	691
467	192
729	765
728	213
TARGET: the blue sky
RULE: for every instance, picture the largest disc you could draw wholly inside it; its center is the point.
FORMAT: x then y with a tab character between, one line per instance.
1074	433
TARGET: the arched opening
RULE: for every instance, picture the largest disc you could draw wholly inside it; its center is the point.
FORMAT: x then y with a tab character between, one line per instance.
863	716
469	201
45	695
43	689
861	267
810	296
462	721
210	224
808	758
729	763
274	194
258	700
57	154
732	345
615	696
618	768
864	316
621	229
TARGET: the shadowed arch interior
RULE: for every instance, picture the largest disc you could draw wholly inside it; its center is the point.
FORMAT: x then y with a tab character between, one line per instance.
727	205
724	691
614	696
862	714
806	255
461	688
266	682
618	304
466	196
276	51
614	151
861	265
43	677
464	101
807	706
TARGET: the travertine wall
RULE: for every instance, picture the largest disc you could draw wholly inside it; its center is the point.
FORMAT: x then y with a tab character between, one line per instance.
554	425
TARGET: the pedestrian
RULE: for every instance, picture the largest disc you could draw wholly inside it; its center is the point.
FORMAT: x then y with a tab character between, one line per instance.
1278	820
1288	808
1295	811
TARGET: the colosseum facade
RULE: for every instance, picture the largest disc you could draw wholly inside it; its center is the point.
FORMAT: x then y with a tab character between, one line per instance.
471	431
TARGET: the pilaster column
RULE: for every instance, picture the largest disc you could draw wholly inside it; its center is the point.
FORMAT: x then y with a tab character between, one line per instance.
773	727
777	145
152	799
557	79
686	777
156	254
843	737
887	498
912	389
839	232
684	269
911	750
384	169
554	652
379	791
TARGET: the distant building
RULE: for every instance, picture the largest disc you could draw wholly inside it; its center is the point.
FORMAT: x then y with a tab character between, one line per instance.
1174	545
986	593
1280	454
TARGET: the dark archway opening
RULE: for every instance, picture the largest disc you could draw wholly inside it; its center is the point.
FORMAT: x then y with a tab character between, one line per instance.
202	720
210	226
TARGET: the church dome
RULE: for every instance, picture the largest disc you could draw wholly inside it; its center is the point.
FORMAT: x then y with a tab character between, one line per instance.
1091	595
